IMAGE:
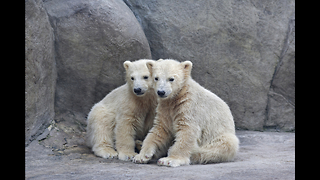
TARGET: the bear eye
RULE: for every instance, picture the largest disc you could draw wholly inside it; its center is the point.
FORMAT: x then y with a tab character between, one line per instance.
145	77
156	78
132	78
171	79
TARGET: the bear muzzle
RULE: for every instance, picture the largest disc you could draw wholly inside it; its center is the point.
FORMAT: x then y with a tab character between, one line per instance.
162	94
138	91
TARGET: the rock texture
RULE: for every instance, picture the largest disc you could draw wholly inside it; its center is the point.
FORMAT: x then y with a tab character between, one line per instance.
262	155
74	55
281	97
243	51
40	70
92	40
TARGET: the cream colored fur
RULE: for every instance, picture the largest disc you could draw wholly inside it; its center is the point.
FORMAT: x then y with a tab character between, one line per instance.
123	117
196	123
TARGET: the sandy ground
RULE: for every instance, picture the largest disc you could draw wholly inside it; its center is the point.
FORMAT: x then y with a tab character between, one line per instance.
262	155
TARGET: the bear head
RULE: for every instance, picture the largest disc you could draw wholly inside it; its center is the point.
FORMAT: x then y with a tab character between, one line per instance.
169	76
138	76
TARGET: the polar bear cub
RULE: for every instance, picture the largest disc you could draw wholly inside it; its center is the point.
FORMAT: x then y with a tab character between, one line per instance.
196	123
126	114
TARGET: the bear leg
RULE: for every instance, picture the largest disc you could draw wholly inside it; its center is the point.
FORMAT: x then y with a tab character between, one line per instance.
100	133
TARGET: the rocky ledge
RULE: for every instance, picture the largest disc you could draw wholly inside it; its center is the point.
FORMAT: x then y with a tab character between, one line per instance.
262	155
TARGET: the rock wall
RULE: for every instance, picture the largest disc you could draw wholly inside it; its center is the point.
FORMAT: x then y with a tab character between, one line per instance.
244	51
89	41
93	39
40	70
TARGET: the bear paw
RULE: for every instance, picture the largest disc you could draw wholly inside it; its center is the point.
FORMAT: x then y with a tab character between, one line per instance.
173	162
142	158
107	153
126	156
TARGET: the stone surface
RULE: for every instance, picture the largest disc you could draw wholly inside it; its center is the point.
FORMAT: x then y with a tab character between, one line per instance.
280	113
281	97
241	50
262	155
92	40
40	70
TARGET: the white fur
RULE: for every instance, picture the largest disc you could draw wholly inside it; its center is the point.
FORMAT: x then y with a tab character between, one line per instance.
196	123
122	117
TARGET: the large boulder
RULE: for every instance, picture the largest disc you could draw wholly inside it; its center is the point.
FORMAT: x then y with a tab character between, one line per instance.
242	50
92	40
40	70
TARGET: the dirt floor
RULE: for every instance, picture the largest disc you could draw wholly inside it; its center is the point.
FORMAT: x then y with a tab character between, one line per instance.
262	155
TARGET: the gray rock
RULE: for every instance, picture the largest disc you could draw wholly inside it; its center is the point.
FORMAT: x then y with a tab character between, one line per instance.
281	113
241	50
92	40
40	70
281	97
74	54
262	155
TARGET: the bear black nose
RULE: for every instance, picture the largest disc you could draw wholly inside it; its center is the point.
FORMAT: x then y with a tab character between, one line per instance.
161	93
137	90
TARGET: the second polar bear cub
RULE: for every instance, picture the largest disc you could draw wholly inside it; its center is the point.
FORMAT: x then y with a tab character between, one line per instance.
126	114
196	123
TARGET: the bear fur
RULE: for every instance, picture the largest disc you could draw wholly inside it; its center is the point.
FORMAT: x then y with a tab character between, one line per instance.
196	123
124	116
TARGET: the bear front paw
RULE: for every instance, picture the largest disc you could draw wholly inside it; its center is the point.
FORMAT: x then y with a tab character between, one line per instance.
173	162
126	156
142	158
107	153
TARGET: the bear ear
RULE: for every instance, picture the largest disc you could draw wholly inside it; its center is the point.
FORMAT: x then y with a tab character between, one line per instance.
126	64
150	64
160	60
187	65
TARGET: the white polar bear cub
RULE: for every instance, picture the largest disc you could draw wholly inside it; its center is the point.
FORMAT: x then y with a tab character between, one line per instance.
198	123
126	114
